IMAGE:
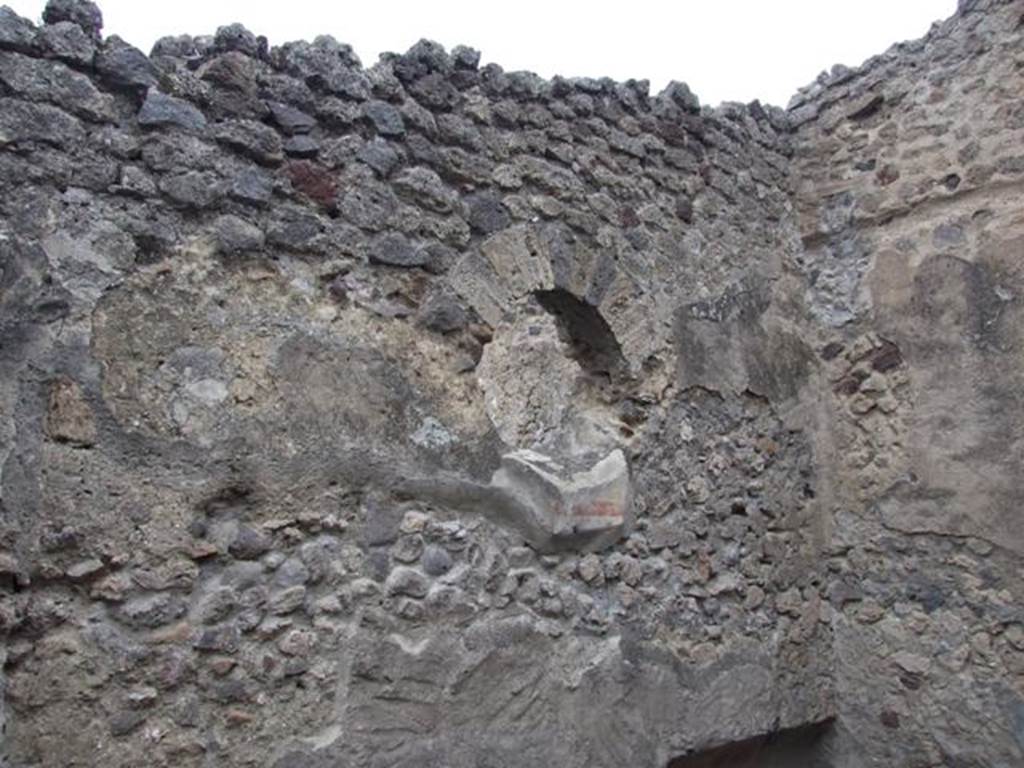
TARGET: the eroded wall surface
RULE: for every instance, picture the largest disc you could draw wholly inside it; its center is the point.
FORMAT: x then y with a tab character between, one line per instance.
429	414
423	414
910	188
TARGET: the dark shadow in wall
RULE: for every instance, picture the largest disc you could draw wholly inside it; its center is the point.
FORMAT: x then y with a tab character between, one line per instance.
592	341
802	747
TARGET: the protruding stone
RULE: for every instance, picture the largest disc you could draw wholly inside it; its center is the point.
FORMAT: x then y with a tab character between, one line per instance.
290	119
590	569
16	32
435	92
443	312
160	110
22	122
179	47
302	59
297	642
301	146
252	185
287	600
217	639
423	58
235	37
68	43
436	561
395	250
248	543
385	118
236	235
350	84
150	611
407	581
294	227
125	66
236	73
681	96
84	569
52	81
124	722
487	213
423	187
253	139
84	14
191	189
380	156
314	181
570	505
465	57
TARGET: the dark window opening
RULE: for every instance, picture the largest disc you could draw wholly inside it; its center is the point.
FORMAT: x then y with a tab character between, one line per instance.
801	747
591	340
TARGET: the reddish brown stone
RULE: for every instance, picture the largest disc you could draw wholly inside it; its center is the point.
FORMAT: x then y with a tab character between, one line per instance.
314	181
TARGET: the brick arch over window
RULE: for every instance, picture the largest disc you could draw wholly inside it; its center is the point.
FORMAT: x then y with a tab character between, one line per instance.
588	291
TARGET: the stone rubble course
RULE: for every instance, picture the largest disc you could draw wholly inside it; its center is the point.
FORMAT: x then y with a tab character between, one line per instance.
428	414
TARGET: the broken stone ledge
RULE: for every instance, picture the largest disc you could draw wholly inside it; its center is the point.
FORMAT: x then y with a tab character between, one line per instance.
553	507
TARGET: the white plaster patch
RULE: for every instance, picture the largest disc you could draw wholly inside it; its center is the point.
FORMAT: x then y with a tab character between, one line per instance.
528	379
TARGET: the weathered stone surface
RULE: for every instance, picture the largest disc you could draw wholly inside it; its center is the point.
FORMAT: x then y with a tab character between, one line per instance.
53	82
436	561
314	181
902	258
429	414
16	32
592	502
442	312
290	119
380	156
252	186
487	214
236	235
125	66
24	123
68	42
160	110
681	95
191	189
82	13
406	581
84	569
301	146
248	543
252	139
385	119
235	37
395	250
424	187
69	418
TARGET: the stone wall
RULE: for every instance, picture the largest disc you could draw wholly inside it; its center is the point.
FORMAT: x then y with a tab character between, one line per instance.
909	177
377	416
429	414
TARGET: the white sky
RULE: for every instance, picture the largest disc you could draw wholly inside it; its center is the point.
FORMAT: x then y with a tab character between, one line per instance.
735	50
